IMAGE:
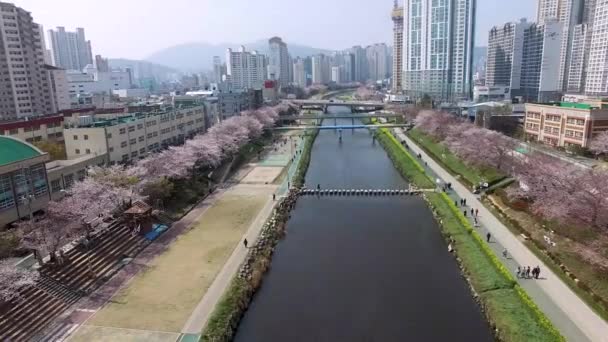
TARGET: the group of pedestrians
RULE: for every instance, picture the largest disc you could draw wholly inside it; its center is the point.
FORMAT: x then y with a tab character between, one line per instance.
527	272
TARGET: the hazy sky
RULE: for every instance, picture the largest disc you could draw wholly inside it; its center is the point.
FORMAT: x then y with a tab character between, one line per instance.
137	28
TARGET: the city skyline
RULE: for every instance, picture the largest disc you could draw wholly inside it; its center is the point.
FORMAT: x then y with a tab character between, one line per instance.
205	22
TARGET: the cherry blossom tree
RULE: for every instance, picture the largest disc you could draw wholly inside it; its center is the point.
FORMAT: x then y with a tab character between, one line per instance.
364	93
13	280
599	144
562	191
48	234
480	146
436	124
206	150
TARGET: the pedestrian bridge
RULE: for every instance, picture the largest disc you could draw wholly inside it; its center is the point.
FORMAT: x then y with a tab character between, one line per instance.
364	192
324	104
372	127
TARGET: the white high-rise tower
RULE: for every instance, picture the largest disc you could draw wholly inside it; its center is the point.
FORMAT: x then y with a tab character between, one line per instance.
438	48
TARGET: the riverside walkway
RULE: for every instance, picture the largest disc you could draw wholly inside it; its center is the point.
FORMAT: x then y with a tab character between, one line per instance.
575	320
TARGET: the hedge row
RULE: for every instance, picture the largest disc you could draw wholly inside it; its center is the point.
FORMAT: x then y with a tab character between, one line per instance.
508	308
299	177
403	161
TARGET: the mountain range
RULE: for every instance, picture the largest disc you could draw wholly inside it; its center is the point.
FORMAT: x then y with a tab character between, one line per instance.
199	56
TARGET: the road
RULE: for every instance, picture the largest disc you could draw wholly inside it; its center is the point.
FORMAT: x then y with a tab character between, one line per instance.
575	320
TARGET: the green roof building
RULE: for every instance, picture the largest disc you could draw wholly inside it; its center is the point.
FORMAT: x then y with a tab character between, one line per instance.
23	180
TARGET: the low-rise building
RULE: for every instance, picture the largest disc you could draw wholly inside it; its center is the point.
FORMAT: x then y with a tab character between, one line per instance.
23	181
35	129
491	93
28	181
231	103
127	138
62	174
565	124
131	93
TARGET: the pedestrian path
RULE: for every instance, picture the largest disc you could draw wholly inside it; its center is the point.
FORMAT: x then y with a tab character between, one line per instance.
575	320
201	314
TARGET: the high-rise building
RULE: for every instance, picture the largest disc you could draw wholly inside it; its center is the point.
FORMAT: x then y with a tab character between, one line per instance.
569	13
278	61
438	48
71	50
504	56
217	69
48	56
377	61
337	74
596	73
25	83
541	62
360	74
308	70
102	64
321	69
397	70
299	73
245	69
59	88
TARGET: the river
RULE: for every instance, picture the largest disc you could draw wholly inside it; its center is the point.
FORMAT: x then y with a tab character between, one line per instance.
361	268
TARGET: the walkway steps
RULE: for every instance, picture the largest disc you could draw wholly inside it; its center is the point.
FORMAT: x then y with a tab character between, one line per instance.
60	286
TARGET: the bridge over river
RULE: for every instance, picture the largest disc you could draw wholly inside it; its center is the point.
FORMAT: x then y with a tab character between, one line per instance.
354	106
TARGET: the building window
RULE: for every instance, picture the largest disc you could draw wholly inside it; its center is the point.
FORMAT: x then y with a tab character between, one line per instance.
131	128
142	150
87	151
86	137
75	137
142	138
77	151
111	149
13	131
133	141
55	185
133	154
69	180
140	126
109	135
38	179
123	144
122	131
125	157
6	193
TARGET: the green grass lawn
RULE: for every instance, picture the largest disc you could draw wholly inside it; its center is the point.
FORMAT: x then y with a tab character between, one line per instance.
470	175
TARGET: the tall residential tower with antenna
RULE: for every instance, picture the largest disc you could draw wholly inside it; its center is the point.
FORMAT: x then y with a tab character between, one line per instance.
397	16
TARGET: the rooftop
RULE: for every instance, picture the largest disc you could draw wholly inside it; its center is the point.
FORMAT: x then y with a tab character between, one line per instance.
131	117
13	150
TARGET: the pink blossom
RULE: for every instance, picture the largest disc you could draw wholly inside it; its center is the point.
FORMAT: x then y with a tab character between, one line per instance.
13	280
599	144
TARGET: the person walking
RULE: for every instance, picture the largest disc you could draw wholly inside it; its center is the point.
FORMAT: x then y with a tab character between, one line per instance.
537	272
472	212
476	212
528	272
245	243
488	236
504	253
464	212
274	196
464	201
518	271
